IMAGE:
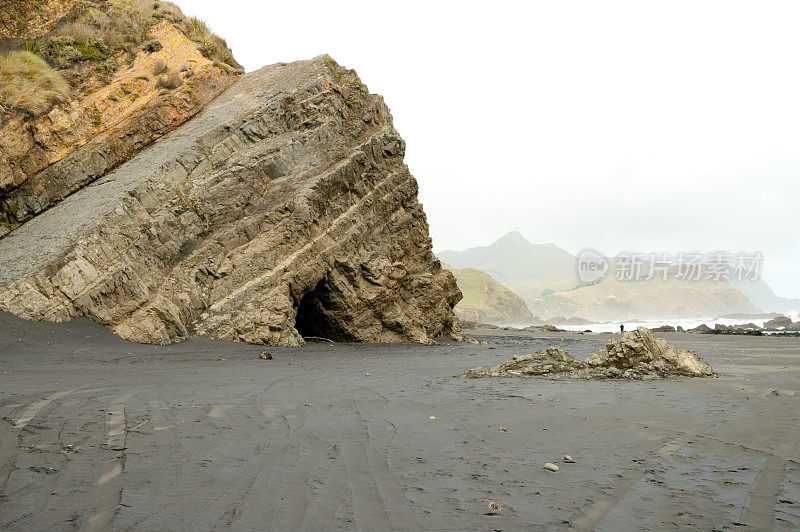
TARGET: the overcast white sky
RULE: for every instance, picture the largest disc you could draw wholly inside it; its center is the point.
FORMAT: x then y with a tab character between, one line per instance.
653	126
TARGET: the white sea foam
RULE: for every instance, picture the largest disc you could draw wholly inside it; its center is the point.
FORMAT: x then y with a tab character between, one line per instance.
674	322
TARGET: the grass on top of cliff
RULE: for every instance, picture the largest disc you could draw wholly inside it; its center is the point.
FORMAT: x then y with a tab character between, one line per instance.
27	82
211	45
97	37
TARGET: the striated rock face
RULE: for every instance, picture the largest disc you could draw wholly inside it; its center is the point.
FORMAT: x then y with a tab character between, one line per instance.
283	210
637	355
551	361
47	158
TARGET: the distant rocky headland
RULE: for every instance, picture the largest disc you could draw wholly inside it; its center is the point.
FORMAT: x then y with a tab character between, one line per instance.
486	300
545	277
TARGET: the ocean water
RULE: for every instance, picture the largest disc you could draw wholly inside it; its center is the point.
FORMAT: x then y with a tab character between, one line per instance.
674	322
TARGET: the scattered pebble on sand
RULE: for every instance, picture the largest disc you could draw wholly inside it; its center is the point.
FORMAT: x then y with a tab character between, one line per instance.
502	429
551	467
368	374
493	506
432	418
567	458
263	355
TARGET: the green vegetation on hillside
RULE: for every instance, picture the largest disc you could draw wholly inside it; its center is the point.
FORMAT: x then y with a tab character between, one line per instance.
88	45
486	300
211	46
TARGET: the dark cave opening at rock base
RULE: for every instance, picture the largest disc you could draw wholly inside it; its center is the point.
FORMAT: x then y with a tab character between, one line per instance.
313	319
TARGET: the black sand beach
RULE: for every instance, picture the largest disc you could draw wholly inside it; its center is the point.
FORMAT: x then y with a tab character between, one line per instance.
98	433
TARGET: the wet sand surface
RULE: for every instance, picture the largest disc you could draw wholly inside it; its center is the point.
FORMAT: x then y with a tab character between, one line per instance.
99	433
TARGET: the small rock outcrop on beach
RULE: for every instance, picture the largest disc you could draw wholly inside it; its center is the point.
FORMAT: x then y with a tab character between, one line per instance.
779	323
542	328
744	329
277	209
664	328
476	325
637	355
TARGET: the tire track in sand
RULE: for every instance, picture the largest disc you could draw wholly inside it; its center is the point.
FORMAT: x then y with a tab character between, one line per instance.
33	409
593	515
107	494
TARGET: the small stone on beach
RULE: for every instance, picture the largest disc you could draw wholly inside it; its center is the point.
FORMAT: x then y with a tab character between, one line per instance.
551	467
263	355
432	418
502	429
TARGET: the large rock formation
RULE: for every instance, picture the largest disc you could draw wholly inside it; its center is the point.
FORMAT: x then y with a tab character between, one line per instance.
637	355
283	210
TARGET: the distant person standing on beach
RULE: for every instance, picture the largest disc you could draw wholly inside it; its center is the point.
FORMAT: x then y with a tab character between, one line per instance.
621	328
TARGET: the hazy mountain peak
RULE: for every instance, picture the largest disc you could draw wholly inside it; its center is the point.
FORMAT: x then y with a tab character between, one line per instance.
513	257
512	237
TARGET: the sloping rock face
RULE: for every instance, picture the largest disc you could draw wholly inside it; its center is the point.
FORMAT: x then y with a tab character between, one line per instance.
47	158
283	210
637	355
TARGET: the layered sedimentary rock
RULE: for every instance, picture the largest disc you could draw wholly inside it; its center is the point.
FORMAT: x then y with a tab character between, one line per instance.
283	210
46	158
637	355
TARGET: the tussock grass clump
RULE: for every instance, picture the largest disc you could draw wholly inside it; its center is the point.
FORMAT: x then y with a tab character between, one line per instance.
131	18
171	80
27	82
81	32
199	30
169	11
97	18
159	66
210	45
